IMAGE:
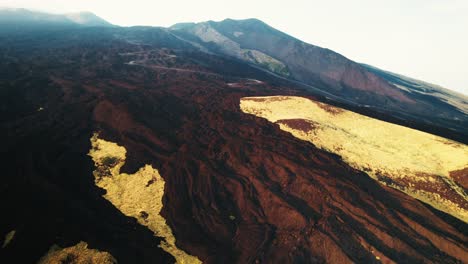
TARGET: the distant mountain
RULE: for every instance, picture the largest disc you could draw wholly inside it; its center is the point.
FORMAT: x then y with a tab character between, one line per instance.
21	16
87	19
421	88
328	73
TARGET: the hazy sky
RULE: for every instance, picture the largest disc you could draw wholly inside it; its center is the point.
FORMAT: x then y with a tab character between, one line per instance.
424	39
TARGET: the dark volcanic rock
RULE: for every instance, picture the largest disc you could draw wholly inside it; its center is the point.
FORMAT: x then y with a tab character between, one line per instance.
238	189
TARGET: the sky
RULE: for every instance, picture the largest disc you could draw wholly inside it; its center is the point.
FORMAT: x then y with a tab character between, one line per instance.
423	39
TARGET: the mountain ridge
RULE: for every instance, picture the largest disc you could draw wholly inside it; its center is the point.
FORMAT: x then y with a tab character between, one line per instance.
405	105
23	15
327	71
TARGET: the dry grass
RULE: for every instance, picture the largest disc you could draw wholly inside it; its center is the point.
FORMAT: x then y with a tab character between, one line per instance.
137	195
78	254
8	238
417	163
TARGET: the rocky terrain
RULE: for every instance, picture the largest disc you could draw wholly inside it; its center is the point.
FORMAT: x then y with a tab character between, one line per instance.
89	116
330	74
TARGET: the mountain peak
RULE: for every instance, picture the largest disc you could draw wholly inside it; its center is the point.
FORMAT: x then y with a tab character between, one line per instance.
87	18
26	16
249	22
246	20
182	25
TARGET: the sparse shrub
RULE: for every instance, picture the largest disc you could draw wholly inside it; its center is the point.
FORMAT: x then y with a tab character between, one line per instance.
69	259
110	161
144	215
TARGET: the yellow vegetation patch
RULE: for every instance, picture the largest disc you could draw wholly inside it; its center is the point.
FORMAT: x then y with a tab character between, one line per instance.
137	195
412	161
8	238
77	254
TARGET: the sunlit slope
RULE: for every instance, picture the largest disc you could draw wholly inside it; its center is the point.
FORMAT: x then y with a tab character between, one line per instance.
137	195
77	254
412	161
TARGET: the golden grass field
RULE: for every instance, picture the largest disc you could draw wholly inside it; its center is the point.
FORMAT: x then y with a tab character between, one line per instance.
79	253
137	195
409	160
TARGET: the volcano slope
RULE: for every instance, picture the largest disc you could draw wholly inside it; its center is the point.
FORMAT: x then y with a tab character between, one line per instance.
237	189
331	74
418	163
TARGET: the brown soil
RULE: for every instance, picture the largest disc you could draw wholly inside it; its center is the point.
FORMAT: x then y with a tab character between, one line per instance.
461	177
330	109
238	189
299	124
